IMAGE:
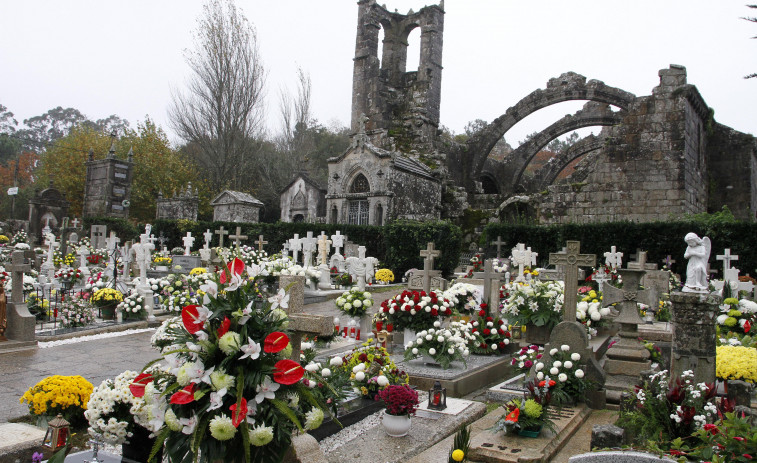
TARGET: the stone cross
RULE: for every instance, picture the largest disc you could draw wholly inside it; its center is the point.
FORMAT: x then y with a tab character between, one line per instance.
359	265
75	222
238	237
338	241
285	250
220	232
601	277
641	261
428	255
97	235
499	243
522	257
49	266
83	254
111	242
162	239
208	235
492	281
614	259
188	240
571	259
301	323
324	246
18	267
126	252
727	258
143	256
260	242
295	245
308	248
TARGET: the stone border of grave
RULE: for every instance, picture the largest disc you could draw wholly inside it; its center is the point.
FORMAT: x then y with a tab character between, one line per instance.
617	456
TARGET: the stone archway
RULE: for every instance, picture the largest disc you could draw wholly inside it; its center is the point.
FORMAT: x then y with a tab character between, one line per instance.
548	174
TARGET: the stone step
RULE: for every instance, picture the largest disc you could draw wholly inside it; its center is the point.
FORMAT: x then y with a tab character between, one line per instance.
10	347
19	441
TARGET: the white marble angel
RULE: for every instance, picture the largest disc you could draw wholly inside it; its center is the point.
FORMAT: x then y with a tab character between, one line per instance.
698	254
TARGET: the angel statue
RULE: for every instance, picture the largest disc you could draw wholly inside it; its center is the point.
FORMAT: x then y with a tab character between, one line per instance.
698	254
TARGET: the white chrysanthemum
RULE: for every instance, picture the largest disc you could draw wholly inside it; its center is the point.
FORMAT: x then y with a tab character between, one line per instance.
568	364
553	351
539	366
579	373
562	377
230	343
313	418
222	428
575	356
382	381
553	371
432	351
359	376
336	361
261	435
565	348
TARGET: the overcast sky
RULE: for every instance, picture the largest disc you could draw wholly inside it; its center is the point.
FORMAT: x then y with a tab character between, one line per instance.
124	57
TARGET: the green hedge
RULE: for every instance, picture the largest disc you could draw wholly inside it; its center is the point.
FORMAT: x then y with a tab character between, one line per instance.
396	245
659	239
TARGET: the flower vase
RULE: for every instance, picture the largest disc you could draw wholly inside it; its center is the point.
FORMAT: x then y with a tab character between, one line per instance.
396	425
108	312
531	431
139	446
409	336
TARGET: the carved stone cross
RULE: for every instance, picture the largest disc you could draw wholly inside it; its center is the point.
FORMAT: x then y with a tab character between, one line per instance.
428	255
112	241
308	248
208	235
238	237
499	243
18	267
601	277
220	232
188	240
301	323
492	281
324	246
727	258
571	259
260	242
522	257
75	222
641	261
613	259
338	241
162	239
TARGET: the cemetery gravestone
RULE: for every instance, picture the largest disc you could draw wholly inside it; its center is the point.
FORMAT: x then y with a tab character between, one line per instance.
499	243
97	236
324	245
20	322
221	232
260	242
300	323
308	248
188	240
295	245
238	237
614	259
492	282
337	260
694	334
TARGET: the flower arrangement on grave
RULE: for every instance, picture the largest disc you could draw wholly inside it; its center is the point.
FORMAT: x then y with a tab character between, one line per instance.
477	265
534	302
367	369
133	305
737	316
589	294
106	296
178	290
233	391
164	338
4	239
384	275
20	237
161	261
28	286
65	395
21	246
464	297
491	333
333	270
69	275
311	274
247	254
664	409
664	313
736	362
59	259
566	369
94	283
400	399
529	413
198	271
444	345
75	311
113	411
592	315
354	302
655	353
612	275
38	306
379	320
416	310
345	279
525	358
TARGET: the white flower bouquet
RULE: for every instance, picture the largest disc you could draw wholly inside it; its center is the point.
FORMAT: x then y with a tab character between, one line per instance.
444	345
354	302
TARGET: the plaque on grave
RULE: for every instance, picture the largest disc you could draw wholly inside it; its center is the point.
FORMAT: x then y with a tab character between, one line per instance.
185	264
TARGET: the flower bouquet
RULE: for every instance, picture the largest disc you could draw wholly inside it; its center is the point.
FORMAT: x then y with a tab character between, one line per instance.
19	237
161	261
354	302
528	415
311	274
384	275
464	297
444	345
232	389
106	297
65	395
416	310
477	265
737	316
367	369
133	305
75	311
592	315
94	283
492	335
736	363
525	358
69	276
565	368
179	290
535	302
400	399
343	280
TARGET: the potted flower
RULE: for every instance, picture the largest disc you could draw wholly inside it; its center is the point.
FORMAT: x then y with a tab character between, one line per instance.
564	366
401	401
69	277
380	322
344	280
161	263
75	311
443	345
464	297
416	310
65	395
536	304
384	276
106	299
527	416
524	359
492	335
133	306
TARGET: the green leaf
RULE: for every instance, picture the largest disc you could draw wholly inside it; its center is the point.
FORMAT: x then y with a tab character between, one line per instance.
284	408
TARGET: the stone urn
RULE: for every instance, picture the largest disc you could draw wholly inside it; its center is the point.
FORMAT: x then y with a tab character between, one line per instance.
396	425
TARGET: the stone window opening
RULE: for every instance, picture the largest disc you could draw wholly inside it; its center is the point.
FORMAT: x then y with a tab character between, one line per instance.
360	185
379	214
334	214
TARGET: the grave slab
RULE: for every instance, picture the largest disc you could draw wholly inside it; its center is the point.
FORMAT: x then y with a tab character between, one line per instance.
459	379
617	457
19	439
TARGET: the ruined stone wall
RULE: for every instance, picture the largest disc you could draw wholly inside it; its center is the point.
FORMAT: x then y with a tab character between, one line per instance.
652	167
177	208
415	198
732	168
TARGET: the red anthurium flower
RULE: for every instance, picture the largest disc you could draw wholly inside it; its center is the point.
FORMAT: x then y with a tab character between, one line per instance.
184	396
236	267
189	316
513	415
224	328
287	372
747	326
275	342
238	416
137	387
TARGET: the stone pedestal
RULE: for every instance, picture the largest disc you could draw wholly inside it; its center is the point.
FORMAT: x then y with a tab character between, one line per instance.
20	322
325	279
694	335
149	299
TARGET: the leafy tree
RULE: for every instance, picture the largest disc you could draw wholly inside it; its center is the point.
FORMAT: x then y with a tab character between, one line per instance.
558	146
754	20
221	114
19	171
49	127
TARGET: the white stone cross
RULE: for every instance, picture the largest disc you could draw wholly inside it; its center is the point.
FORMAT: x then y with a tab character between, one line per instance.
491	285
727	258
143	256
112	241
308	248
49	266
75	222
83	254
428	255
208	235
601	277
522	257
285	250
188	240
614	259
338	241
571	259
238	237
260	242
295	245
358	266
324	246
126	253
220	232
499	243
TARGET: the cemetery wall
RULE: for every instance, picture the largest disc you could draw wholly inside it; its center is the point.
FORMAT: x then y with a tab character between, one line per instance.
659	239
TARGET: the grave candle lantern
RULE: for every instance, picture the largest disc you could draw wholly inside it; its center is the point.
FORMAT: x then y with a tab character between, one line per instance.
336	325
57	433
437	397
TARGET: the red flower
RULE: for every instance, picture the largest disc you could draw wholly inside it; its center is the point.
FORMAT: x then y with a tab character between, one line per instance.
287	372
238	416
513	416
487	331
224	328
483	345
484	306
482	313
275	342
137	387
501	345
236	267
189	316
184	396
434	312
739	438
489	319
711	428
747	326
676	453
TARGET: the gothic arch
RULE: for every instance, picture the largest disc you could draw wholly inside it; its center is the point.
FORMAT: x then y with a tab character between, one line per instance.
567	87
360	184
547	175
